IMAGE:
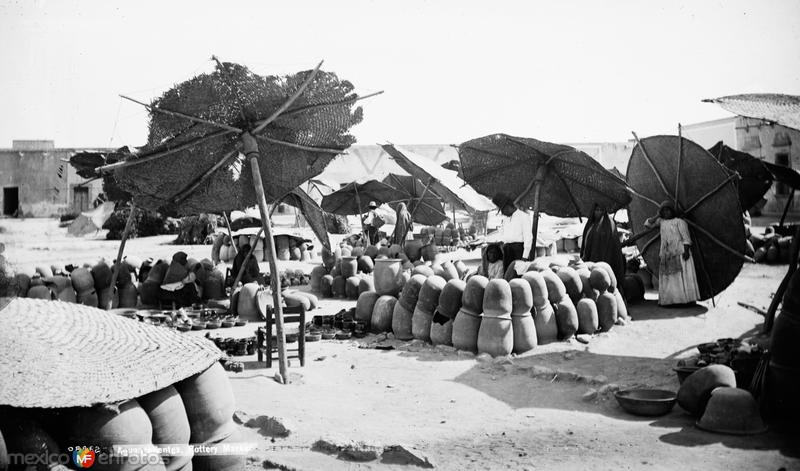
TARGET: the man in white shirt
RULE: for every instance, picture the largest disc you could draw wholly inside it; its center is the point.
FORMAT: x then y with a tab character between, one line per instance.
517	230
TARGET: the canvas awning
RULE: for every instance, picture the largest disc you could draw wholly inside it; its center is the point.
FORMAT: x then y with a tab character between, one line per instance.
445	183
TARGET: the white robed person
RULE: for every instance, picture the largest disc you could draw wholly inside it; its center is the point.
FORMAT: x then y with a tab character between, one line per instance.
677	277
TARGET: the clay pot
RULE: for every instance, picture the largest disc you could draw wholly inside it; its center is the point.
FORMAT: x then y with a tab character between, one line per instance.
429	252
426	304
366	284
365	305
572	282
449	304
169	421
349	266
495	336
101	274
606	311
88	298
23	284
339	287
382	312
466	325
555	287
351	287
449	271
611	276
545	323
588	321
566	318
41	292
247	307
422	270
388	276
316	277
82	280
696	389
521	320
413	250
403	315
326	286
330	258
634	288
365	264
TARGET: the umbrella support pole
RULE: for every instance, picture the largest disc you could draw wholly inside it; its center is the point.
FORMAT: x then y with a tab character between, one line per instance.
769	317
247	256
537	191
718	242
414	210
272	257
361	215
786	208
115	274
230	232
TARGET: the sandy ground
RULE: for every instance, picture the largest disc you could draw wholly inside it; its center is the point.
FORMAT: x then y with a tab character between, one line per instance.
463	412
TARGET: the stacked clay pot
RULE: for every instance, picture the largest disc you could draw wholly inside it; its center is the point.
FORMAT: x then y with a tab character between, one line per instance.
169	422
696	389
427	302
495	335
83	283
367	283
466	325
365	305
521	320
544	319
449	303
389	276
566	314
402	316
382	312
62	288
606	302
101	273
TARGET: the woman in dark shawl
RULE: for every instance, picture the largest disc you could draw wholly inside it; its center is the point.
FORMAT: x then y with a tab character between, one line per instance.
601	242
251	271
403	225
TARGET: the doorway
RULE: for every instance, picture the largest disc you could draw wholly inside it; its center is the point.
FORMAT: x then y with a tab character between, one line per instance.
80	199
10	200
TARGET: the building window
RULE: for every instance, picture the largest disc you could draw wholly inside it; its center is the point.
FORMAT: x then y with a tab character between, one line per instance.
782	159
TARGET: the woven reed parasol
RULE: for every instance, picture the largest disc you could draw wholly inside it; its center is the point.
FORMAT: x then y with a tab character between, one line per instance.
754	178
425	207
443	182
311	211
58	354
556	179
290	128
353	197
705	194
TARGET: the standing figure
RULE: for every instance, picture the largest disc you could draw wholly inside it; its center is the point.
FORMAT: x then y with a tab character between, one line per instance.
517	230
372	222
677	278
403	226
601	242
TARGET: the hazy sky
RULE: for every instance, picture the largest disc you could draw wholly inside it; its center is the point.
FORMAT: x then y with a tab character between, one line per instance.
564	71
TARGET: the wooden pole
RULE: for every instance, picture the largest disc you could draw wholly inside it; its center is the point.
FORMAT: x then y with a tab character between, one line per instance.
273	265
717	241
537	190
184	116
680	163
360	214
414	209
652	166
115	272
244	262
786	208
230	232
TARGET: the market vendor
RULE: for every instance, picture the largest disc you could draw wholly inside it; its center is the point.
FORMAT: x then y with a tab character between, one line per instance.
517	233
372	222
251	269
179	282
601	241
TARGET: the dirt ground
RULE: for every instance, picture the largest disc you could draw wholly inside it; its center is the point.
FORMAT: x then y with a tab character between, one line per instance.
552	408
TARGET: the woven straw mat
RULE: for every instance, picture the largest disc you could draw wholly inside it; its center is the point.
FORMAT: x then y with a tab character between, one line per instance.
58	354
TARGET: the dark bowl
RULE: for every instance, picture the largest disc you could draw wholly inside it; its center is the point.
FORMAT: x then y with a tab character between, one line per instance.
647	402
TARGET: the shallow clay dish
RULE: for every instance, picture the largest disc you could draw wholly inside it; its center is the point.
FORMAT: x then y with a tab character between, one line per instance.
647	402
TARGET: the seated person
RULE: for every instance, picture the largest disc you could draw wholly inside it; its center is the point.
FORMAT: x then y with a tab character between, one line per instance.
492	263
179	285
251	270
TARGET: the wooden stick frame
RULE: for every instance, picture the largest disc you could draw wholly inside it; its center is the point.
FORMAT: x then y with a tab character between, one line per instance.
115	273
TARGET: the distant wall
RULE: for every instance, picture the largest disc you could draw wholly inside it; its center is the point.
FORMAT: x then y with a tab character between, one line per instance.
44	179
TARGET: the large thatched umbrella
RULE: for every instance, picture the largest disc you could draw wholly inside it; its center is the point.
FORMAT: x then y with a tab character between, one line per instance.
289	129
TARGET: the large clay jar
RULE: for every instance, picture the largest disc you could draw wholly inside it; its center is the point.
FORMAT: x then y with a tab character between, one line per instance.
495	336
382	314
449	304
210	404
521	320
449	271
423	270
413	250
365	305
555	287
696	388
611	276
429	252
566	318
101	273
214	286
349	266
426	304
339	287
170	424
468	320
316	277
23	284
403	314
388	276
544	319
105	426
41	292
82	280
247	307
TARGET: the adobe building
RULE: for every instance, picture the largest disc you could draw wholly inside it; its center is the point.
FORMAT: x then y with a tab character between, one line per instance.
36	180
